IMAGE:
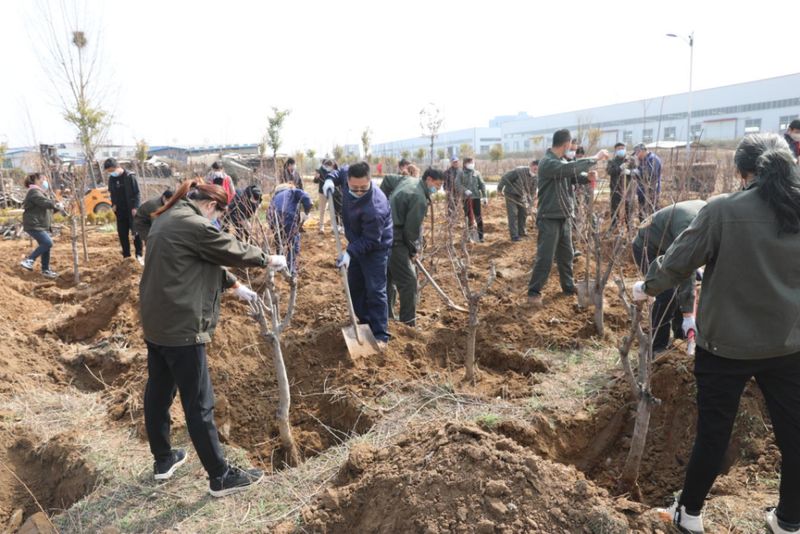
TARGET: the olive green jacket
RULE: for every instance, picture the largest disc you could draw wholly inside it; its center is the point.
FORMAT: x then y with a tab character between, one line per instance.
471	180
143	220
183	278
409	202
517	183
750	300
658	232
555	185
38	214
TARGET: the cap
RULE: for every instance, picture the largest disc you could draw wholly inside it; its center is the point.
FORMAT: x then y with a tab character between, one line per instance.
454	158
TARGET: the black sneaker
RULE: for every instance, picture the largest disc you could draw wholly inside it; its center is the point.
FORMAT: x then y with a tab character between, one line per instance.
165	469
234	480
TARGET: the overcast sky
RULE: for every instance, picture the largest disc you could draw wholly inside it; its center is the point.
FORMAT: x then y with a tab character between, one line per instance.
207	72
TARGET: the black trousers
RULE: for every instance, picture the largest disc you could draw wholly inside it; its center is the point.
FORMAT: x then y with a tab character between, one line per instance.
474	214
184	369
125	227
667	315
720	383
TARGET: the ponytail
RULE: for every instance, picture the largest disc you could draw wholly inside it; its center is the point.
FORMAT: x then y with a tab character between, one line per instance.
195	190
31	179
779	185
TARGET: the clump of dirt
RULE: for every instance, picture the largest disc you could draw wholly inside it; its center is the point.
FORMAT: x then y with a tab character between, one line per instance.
98	366
461	478
54	471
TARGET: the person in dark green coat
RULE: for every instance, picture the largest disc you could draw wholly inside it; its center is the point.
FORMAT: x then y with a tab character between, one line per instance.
472	189
518	186
409	199
179	297
748	319
555	213
655	236
37	220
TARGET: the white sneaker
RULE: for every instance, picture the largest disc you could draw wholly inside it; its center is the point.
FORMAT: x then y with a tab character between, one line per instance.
686	523
776	526
27	264
140	259
49	274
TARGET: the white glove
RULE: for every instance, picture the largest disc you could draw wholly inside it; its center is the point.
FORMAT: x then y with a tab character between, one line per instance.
245	293
277	262
59	206
303	217
638	292
688	325
485	201
627	172
343	260
467	193
328	187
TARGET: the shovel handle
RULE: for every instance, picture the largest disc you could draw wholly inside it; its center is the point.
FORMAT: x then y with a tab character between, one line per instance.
351	311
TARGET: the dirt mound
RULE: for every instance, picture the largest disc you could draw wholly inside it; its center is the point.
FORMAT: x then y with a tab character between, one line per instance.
54	471
461	478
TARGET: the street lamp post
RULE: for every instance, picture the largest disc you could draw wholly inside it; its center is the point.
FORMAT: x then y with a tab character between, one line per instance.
690	41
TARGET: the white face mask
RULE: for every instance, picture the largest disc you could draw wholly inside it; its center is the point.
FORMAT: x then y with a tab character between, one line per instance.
328	169
570	154
795	136
470	166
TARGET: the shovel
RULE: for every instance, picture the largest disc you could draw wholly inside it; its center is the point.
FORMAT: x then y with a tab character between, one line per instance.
447	300
473	231
358	337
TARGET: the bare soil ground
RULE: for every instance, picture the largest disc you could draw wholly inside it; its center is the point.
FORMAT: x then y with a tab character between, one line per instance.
394	443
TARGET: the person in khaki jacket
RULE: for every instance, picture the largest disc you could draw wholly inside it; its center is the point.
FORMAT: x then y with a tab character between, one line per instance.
748	320
180	295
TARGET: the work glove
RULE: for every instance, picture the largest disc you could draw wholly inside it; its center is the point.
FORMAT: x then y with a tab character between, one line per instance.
245	293
59	206
343	260
468	193
688	325
626	172
277	262
328	187
638	292
303	217
485	201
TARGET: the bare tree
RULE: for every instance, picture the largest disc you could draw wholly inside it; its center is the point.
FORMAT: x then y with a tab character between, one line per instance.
430	120
3	149
338	153
496	154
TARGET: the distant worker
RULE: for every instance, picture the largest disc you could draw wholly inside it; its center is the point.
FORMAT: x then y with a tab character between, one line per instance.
747	323
518	186
37	221
368	227
326	168
619	174
402	166
472	189
218	176
648	177
179	295
452	176
291	175
143	219
671	308
124	190
243	209
409	201
555	214
288	210
792	137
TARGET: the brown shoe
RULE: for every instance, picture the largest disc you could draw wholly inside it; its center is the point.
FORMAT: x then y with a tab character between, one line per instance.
535	302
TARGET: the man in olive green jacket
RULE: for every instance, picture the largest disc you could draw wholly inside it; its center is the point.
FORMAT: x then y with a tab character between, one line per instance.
143	220
472	189
409	198
554	215
655	236
518	186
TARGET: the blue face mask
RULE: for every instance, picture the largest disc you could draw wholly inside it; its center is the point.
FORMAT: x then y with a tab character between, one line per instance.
620	153
115	174
45	185
355	195
433	189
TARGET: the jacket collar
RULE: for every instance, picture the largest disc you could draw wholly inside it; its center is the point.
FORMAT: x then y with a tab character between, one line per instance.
422	185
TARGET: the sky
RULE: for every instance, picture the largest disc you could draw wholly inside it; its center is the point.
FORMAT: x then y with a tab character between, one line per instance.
208	72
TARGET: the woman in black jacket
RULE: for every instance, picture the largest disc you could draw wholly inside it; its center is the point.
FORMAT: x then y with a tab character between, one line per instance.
36	221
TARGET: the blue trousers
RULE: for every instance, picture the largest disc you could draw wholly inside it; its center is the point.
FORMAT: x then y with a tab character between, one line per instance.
367	279
43	250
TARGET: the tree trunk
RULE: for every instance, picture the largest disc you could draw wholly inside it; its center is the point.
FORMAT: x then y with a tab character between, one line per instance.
73	229
597	295
82	209
472	330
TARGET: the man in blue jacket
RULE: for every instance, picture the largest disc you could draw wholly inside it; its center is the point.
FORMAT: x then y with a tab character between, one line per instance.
648	176
286	218
367	220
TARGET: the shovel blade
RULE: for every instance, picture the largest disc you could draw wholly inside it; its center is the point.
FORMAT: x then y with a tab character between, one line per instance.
368	345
